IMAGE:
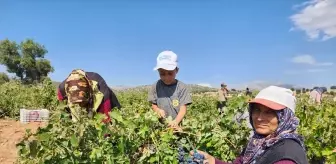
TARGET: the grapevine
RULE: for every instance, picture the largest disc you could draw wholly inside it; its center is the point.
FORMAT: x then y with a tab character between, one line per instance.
136	134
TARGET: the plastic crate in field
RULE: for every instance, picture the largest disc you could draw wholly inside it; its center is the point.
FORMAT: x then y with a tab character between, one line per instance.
40	115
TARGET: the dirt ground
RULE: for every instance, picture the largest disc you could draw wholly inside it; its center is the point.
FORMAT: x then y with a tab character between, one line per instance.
11	133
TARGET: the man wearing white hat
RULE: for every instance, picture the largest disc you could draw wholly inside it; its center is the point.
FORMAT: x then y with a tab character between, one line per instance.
169	96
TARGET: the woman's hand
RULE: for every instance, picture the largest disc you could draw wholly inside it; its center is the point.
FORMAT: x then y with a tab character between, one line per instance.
208	159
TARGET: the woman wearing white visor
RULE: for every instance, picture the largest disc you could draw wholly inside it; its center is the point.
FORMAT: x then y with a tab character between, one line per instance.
275	140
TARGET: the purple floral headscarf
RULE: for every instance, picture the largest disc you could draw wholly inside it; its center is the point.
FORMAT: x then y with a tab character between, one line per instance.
286	129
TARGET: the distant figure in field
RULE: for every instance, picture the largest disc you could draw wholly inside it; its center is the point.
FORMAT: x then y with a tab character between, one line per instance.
88	91
248	92
315	95
222	98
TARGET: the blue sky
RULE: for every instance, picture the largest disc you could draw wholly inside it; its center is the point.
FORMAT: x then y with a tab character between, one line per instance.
238	42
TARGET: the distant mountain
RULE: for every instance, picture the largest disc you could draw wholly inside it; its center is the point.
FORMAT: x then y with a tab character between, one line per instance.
289	86
196	88
120	87
56	83
258	85
192	87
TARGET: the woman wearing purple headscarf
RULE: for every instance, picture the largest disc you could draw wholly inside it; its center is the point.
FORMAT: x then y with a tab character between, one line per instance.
275	141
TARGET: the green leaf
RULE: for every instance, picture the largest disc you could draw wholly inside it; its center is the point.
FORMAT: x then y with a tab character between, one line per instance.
28	132
116	115
33	148
81	130
43	137
65	143
209	144
152	159
77	153
74	140
327	152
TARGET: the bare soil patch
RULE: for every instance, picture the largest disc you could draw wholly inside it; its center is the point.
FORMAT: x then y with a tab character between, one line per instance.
11	133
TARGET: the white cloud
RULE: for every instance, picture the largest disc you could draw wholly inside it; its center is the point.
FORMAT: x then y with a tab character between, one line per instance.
297	72
305	59
205	85
310	60
316	19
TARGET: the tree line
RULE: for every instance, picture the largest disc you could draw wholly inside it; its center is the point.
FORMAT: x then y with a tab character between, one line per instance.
26	60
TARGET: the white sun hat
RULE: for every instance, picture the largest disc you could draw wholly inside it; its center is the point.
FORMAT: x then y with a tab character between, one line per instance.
166	60
276	98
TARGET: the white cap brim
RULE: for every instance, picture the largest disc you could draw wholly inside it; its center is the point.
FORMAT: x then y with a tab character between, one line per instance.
165	66
276	98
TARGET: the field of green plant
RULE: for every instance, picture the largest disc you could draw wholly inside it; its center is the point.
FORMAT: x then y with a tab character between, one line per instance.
138	136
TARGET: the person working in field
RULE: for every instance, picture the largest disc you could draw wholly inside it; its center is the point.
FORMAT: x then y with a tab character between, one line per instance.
275	139
248	92
169	96
87	90
315	95
222	98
